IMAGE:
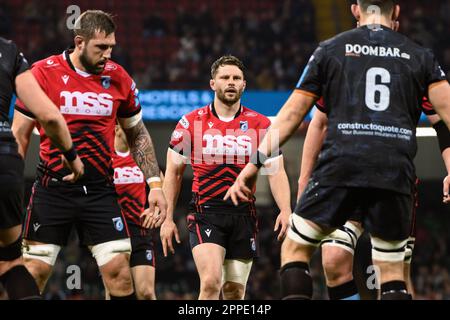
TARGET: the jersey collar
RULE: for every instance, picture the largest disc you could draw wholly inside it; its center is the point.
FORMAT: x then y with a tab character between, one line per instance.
214	112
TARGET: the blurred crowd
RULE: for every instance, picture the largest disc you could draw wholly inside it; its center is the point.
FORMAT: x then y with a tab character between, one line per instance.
172	46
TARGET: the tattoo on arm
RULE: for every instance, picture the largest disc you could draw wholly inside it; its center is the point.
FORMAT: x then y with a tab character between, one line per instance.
142	149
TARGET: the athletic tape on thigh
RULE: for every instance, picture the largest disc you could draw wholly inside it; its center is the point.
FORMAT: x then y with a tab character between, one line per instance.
392	251
105	252
301	232
345	237
43	252
236	270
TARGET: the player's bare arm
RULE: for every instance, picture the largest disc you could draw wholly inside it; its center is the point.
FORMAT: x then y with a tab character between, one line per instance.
143	151
439	94
31	94
284	126
175	167
279	185
311	148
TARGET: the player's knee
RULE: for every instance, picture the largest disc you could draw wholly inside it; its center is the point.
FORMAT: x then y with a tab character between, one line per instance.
210	285
116	273
105	252
145	293
337	264
388	251
233	291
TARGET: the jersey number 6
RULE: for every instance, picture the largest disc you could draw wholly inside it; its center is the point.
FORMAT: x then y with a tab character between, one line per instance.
377	95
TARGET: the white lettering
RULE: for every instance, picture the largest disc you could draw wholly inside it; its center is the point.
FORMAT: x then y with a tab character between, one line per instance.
87	103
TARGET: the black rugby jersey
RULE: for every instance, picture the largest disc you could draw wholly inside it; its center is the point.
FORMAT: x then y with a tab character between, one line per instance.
12	63
372	80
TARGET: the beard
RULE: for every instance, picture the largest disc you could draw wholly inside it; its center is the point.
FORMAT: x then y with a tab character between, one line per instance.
92	68
222	96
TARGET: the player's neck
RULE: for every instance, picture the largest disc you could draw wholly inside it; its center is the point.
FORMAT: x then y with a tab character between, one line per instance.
75	59
224	110
375	20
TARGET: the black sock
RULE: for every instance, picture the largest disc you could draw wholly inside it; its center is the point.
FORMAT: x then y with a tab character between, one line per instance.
343	291
296	282
19	284
394	290
129	297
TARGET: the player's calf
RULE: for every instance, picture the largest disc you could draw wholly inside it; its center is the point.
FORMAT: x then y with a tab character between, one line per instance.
389	257
296	251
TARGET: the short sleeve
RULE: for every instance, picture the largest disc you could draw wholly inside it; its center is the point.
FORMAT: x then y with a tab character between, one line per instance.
311	79
181	138
434	72
427	107
131	106
320	105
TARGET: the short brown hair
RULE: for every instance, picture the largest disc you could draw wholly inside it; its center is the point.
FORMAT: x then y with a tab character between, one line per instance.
92	21
225	61
386	6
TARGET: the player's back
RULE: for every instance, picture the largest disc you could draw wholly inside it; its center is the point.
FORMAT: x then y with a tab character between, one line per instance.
373	80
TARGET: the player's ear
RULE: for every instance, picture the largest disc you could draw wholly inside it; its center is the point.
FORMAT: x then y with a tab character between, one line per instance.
212	84
356	11
78	42
396	13
245	85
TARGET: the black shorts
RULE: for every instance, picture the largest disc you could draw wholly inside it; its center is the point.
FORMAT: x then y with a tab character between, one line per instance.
11	190
53	211
357	214
142	248
237	233
385	214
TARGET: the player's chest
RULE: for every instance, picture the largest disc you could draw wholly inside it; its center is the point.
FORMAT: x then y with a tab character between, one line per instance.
84	96
236	138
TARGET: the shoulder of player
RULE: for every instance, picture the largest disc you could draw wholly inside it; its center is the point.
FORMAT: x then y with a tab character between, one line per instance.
112	67
197	114
6	44
254	116
115	70
48	63
339	38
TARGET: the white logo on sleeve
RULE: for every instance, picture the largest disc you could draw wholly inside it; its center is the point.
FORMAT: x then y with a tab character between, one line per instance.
184	122
210	124
208	232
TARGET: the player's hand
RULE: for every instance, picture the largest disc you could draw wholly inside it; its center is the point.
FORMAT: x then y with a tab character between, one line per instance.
168	230
77	168
241	189
154	216
446	188
283	221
